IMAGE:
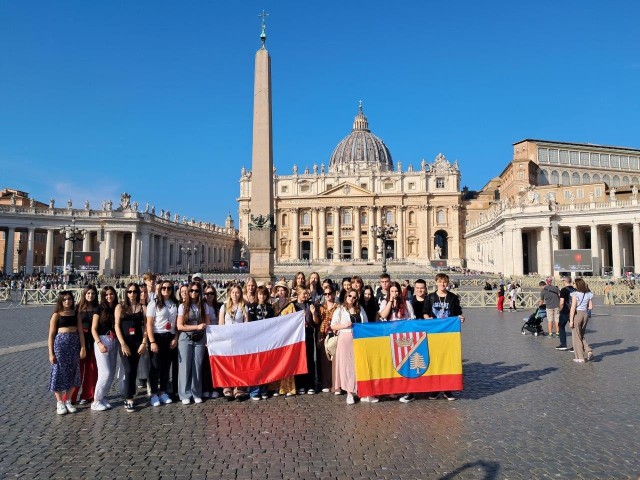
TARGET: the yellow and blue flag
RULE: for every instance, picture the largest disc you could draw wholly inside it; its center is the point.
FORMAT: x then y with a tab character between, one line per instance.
408	356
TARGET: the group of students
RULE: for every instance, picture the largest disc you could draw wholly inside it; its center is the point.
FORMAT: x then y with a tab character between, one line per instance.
86	340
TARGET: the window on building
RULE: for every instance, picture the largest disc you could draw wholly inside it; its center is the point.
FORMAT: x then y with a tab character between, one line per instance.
574	158
634	181
584	158
329	186
606	179
555	177
412	217
579	193
604	160
575	178
284	189
596	178
616	181
625	181
363	185
624	161
388	217
564	157
597	192
567	194
412	185
388	185
306	219
329	218
595	159
284	219
615	161
363	218
346	217
441	217
305	187
543	155
633	163
565	178
553	156
586	178
439	182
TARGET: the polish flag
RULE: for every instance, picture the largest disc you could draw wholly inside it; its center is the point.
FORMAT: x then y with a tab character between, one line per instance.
257	353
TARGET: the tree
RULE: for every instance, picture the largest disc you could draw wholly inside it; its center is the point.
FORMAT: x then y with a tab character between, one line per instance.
417	361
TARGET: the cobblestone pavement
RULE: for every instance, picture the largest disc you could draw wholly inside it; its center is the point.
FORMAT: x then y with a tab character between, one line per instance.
527	411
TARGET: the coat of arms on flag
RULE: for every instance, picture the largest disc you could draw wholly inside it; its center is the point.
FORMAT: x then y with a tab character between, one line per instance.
410	353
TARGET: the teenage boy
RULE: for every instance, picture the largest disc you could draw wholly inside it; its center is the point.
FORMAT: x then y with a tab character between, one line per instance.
565	307
442	304
383	291
419	298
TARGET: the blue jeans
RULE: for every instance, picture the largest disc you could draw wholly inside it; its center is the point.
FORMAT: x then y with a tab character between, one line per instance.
257	391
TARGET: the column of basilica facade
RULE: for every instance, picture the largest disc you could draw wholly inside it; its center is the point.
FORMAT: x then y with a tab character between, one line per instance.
130	242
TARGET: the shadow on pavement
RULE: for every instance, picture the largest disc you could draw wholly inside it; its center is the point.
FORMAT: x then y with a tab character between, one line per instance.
600	355
482	380
607	343
490	470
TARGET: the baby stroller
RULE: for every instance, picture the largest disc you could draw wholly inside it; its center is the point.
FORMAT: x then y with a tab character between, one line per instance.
533	324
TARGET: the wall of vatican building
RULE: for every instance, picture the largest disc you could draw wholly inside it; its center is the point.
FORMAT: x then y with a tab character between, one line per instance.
130	242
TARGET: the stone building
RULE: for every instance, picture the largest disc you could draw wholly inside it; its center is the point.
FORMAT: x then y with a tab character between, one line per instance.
324	214
554	196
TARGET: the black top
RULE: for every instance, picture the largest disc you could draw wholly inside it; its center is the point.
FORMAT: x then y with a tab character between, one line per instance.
66	321
419	307
355	318
132	325
565	293
442	307
260	312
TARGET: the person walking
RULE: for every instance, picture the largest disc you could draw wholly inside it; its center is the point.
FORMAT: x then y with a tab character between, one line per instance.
581	302
565	308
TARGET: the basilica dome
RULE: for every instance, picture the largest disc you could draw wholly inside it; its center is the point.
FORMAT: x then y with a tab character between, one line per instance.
360	150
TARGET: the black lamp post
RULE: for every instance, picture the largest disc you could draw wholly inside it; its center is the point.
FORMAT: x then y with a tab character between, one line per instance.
188	251
19	252
384	233
71	233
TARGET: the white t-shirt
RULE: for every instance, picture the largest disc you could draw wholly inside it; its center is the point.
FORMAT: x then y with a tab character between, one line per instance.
582	300
235	316
164	320
213	315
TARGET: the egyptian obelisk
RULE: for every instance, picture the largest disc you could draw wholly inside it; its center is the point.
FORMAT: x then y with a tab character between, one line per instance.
261	227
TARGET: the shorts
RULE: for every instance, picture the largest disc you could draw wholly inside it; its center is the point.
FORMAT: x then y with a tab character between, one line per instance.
553	315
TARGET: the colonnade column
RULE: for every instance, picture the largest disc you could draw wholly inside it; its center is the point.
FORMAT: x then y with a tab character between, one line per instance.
636	247
356	234
108	259
545	252
144	252
370	235
517	252
423	222
295	234
48	255
595	249
133	260
86	242
315	236
322	231
574	236
30	245
615	246
400	243
337	244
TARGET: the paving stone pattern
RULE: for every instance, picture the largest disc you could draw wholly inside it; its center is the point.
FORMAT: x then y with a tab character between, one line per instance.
527	411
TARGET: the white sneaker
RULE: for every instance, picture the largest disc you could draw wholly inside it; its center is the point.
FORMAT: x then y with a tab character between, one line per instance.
60	408
186	401
369	399
408	398
154	401
164	398
197	400
255	398
350	400
337	393
70	408
214	395
301	391
311	391
98	407
325	390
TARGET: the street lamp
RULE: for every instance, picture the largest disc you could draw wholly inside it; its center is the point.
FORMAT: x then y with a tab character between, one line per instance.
19	252
384	233
188	251
71	233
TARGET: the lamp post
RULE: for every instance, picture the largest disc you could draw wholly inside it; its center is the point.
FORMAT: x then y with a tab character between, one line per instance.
71	233
384	233
19	252
188	251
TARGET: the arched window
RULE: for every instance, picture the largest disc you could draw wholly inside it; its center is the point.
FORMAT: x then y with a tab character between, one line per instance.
625	181
284	219
346	217
575	178
306	219
363	218
543	177
606	179
388	217
616	181
565	178
364	253
586	179
441	217
555	177
596	178
634	180
412	217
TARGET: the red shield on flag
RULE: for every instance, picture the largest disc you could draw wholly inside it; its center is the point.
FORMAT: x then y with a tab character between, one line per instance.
410	353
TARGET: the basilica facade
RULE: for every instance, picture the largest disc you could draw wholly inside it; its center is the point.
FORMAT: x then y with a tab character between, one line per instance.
325	214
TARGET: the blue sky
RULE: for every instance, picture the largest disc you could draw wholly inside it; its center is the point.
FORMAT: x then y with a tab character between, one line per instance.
155	97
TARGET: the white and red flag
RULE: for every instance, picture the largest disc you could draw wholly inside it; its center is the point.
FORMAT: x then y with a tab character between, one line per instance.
257	353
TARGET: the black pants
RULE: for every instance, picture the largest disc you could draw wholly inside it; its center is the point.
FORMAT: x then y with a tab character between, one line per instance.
130	366
311	379
161	363
564	319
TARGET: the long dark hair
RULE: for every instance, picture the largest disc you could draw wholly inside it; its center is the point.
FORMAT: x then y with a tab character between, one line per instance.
402	303
127	302
59	303
581	285
199	304
160	299
83	304
108	312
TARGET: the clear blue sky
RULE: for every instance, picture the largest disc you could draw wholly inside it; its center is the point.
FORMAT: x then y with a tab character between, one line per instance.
155	97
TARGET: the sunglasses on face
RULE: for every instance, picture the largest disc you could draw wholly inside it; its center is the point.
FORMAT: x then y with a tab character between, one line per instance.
165	288
210	293
133	291
193	290
351	296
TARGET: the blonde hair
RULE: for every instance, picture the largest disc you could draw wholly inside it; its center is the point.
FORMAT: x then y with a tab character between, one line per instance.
228	305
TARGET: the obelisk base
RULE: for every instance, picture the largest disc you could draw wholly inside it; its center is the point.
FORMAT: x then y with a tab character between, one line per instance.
261	266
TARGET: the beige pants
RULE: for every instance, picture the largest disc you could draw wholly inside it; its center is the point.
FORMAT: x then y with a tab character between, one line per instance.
580	345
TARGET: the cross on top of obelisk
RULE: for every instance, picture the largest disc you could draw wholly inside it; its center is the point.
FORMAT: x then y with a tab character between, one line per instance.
263	34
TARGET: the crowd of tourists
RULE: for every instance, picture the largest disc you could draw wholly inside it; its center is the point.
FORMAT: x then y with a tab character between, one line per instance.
156	338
